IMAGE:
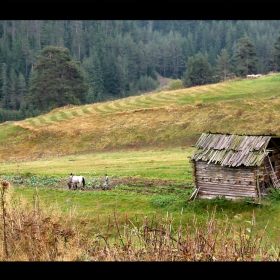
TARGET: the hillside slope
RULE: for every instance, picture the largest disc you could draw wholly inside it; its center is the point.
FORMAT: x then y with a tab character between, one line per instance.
161	120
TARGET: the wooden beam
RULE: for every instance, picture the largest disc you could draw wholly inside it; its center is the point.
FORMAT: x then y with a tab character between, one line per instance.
275	145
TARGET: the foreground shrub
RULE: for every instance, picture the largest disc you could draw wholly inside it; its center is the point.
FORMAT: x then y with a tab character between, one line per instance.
36	233
176	84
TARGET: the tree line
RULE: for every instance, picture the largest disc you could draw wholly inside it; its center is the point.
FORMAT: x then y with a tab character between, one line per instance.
45	64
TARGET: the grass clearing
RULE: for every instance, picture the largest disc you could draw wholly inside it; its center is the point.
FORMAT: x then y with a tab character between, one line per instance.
170	165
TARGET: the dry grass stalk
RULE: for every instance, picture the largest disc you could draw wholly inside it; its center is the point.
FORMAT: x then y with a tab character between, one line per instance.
35	233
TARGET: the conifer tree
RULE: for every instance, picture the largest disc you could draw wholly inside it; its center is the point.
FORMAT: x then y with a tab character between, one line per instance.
245	57
58	80
199	71
94	78
275	59
5	86
223	65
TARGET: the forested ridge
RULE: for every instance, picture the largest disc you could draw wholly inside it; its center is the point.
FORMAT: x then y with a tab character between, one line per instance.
112	59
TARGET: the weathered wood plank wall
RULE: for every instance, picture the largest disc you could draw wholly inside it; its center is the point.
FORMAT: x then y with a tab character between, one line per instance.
216	180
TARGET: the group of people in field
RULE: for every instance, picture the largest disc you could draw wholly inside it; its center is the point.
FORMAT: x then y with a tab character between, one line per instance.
74	181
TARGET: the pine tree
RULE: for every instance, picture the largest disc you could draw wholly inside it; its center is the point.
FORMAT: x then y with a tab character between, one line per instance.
21	86
5	86
14	103
275	56
245	57
223	65
199	71
94	78
240	30
58	80
110	74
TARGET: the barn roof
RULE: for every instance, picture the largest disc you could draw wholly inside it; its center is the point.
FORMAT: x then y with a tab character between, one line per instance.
231	149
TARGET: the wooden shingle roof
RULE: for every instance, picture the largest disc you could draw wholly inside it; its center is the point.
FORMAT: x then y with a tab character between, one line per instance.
231	150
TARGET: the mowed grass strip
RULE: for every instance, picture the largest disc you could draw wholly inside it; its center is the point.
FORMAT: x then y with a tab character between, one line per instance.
237	89
156	101
138	125
131	104
172	165
165	97
143	102
113	107
42	119
103	108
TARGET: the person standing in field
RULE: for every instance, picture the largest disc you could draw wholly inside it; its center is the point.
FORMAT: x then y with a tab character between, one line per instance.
106	184
70	183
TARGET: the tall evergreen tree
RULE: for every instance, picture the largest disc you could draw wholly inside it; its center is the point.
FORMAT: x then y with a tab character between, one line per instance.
223	65
110	74
199	71
230	38
122	66
14	103
176	45
275	56
5	86
164	61
77	35
141	59
245	57
130	51
58	80
94	78
240	30
21	87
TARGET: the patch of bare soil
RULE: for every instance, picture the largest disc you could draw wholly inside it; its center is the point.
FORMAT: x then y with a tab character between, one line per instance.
163	83
146	184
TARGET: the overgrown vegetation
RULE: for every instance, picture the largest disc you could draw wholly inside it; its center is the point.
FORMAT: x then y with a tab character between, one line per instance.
32	232
176	84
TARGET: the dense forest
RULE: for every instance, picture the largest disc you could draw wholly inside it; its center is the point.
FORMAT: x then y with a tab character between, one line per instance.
45	64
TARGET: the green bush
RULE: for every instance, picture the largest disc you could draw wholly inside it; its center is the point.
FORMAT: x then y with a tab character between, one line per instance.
176	84
146	83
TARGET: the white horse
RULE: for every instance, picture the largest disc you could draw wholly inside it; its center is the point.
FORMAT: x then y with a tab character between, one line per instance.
75	180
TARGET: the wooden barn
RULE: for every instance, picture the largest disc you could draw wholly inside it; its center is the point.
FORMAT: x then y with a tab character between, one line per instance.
235	166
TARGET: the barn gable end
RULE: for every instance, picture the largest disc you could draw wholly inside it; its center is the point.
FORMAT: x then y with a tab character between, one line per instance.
236	166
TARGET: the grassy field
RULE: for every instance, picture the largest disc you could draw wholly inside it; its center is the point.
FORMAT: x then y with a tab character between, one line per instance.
149	136
157	121
171	164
